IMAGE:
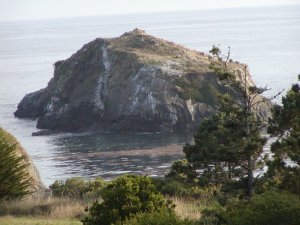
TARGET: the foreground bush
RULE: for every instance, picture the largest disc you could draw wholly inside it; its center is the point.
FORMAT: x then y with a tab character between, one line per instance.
274	208
162	217
123	198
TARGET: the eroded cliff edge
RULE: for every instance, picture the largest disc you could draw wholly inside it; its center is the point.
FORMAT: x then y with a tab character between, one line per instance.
132	83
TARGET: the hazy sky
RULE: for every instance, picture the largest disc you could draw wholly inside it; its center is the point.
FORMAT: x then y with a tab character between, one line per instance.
34	9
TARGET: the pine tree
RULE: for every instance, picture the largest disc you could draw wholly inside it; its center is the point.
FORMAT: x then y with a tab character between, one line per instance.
15	181
285	125
229	145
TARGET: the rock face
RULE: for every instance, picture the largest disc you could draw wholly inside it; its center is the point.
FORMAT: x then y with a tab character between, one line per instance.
132	83
37	186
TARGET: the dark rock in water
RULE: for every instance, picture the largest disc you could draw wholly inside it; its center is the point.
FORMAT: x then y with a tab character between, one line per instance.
133	83
44	132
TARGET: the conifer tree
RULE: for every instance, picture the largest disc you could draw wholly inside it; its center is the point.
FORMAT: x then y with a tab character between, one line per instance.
285	125
229	145
15	181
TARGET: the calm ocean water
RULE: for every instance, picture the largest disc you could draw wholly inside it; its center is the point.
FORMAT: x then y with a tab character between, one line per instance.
267	39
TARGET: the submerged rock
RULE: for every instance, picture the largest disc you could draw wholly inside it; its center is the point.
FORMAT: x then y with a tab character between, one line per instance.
44	132
132	83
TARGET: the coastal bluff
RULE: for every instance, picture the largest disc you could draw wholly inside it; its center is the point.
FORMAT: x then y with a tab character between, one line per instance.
132	83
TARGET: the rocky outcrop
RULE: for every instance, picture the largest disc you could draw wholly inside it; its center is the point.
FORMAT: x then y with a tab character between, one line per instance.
132	83
37	186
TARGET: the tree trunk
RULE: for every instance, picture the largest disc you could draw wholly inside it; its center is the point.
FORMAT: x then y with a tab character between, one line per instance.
229	171
250	188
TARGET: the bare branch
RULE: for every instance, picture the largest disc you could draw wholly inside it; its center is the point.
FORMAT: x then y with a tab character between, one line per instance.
227	57
267	99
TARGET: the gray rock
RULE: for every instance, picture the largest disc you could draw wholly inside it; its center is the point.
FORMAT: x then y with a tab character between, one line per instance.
133	83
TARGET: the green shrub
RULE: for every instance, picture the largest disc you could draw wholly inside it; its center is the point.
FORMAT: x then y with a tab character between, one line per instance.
270	208
78	188
291	180
182	170
193	86
180	188
124	197
174	188
162	217
212	216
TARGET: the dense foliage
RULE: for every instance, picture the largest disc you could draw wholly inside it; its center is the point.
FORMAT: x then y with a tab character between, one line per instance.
161	217
78	188
284	169
268	208
123	198
222	147
15	181
182	170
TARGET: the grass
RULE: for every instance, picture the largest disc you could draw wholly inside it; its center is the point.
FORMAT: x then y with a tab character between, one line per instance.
189	209
9	220
55	211
55	208
66	211
152	50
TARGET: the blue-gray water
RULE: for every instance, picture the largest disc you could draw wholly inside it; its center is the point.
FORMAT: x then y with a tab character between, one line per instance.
267	39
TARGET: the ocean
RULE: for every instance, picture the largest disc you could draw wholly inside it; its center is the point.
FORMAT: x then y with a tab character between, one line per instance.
266	38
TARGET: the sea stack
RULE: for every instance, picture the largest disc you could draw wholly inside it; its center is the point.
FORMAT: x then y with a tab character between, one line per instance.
132	83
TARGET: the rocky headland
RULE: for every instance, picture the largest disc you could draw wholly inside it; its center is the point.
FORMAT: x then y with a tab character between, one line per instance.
132	83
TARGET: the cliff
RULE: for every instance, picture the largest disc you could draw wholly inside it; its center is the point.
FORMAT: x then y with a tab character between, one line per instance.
37	185
132	83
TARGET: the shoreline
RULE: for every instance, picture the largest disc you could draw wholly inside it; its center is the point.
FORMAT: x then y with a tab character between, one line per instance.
168	150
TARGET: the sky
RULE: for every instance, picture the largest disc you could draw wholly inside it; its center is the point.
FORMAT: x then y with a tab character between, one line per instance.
37	9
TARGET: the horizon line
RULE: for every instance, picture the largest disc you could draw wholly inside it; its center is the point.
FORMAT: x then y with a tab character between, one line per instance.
146	12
